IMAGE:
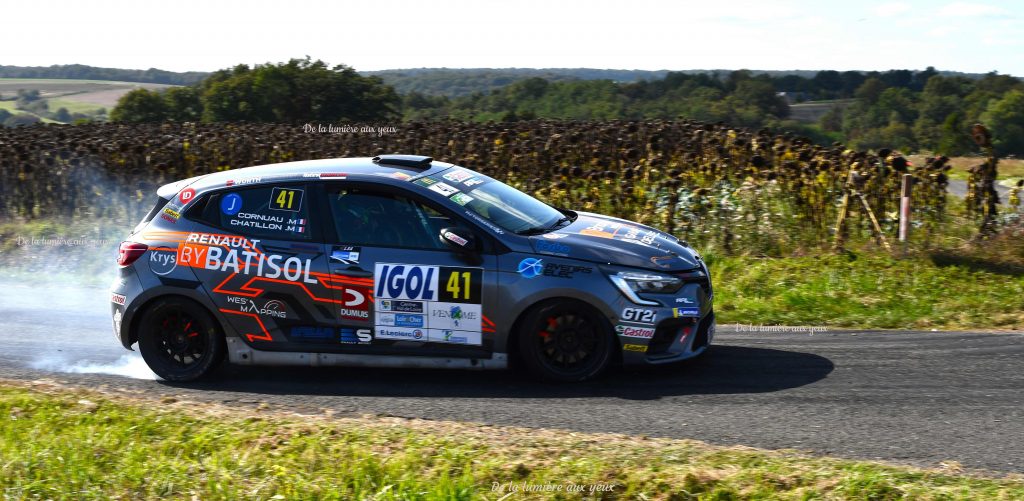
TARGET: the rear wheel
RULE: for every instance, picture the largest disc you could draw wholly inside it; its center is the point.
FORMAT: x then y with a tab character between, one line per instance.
179	340
565	341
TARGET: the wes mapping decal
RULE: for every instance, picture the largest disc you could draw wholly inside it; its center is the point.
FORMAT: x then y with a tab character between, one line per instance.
440	304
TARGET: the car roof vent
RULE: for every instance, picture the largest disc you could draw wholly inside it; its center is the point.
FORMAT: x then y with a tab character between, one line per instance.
415	161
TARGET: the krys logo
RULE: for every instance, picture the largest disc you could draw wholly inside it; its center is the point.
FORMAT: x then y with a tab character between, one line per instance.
163	261
530	267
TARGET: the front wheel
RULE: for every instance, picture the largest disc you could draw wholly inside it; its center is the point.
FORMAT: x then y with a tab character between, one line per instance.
565	341
179	340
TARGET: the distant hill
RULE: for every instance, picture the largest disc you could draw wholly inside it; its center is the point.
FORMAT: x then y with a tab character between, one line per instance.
83	72
451	82
454	82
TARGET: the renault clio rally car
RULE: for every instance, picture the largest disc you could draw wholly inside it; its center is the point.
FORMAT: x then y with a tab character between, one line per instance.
399	261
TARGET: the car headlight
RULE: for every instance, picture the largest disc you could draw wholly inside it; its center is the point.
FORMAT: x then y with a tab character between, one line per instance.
632	283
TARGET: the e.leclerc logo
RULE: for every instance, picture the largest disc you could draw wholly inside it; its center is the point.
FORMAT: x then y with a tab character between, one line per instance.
530	267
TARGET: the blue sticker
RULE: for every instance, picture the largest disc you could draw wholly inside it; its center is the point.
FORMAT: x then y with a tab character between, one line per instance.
403	320
530	267
231	204
685	312
552	247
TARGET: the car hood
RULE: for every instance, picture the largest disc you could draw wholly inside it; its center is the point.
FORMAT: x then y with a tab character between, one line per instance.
603	239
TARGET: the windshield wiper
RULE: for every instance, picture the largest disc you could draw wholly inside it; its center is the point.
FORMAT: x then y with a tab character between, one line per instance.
544	229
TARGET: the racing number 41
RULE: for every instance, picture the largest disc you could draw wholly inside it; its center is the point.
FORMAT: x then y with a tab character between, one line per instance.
454	287
286	199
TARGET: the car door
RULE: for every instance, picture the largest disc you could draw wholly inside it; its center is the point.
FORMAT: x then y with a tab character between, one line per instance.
400	289
263	264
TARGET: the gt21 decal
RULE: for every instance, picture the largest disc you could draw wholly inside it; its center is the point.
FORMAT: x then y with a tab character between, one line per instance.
639	315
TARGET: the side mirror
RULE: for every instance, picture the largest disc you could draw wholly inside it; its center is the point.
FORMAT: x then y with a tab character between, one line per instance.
459	239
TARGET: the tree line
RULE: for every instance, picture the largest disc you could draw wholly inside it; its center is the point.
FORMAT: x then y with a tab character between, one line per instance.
909	110
84	72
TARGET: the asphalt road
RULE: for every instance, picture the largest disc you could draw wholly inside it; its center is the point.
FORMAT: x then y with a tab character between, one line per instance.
958	187
910	397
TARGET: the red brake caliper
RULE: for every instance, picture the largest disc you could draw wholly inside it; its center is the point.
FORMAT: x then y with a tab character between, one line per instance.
190	334
552	324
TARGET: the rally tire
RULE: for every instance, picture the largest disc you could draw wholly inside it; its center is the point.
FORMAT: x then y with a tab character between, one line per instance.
179	340
565	341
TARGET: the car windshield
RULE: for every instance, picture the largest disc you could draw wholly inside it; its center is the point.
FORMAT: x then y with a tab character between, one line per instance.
498	202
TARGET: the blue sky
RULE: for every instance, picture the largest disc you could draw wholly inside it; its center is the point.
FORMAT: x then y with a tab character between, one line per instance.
970	36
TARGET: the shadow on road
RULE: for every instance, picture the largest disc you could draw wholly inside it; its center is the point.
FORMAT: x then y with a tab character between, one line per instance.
724	370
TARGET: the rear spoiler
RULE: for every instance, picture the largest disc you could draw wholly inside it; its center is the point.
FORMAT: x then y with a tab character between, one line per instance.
168	190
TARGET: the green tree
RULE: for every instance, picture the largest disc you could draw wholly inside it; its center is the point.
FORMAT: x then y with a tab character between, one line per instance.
1005	118
298	90
761	95
140	105
183	104
954	138
870	90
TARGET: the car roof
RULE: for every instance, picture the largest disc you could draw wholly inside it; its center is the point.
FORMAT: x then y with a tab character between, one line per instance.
362	167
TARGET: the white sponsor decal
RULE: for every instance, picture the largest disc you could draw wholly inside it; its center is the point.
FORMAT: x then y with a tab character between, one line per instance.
444	189
454	316
400	333
117	298
455	238
457	176
454	337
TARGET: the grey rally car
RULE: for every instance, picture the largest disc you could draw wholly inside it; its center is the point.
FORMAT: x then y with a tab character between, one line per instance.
399	261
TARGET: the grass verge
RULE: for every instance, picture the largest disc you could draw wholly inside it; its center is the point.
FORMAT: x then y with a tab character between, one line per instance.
60	443
869	290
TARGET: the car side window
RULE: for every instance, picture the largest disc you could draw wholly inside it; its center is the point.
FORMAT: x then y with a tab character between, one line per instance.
271	212
381	219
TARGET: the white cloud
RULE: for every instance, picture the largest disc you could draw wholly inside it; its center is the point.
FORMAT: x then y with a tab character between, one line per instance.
964	9
891	9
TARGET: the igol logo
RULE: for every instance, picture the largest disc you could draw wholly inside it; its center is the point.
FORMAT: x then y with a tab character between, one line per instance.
530	267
